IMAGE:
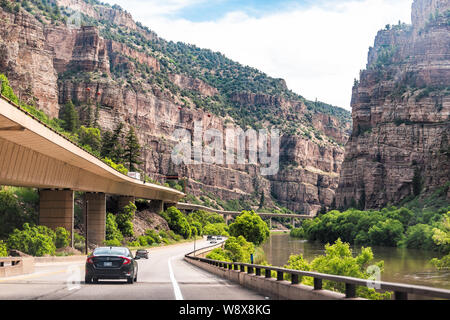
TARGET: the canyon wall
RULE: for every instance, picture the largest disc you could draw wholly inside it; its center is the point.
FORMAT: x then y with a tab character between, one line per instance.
399	147
50	64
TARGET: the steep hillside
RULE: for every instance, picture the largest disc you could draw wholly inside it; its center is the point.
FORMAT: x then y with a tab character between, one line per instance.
111	66
399	147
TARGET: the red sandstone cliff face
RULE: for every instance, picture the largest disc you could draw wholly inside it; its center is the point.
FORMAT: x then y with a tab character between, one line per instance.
401	113
52	64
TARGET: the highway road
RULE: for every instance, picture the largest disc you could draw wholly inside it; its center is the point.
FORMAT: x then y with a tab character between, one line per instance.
164	276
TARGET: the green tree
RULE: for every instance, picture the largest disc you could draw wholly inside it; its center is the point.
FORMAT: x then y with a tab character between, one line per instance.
251	227
386	233
132	151
90	137
70	117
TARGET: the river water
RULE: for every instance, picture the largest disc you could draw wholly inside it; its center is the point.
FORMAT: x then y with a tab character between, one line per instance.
400	265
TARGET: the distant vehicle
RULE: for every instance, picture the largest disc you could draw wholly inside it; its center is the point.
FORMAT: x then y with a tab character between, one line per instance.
142	254
208	238
134	175
219	238
111	263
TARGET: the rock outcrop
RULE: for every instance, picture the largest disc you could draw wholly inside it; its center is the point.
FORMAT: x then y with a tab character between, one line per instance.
50	64
401	113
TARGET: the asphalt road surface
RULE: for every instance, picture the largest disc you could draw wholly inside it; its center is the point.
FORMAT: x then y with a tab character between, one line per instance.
164	276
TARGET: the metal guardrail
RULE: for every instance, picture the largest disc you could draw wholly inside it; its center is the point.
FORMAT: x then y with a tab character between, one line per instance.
401	291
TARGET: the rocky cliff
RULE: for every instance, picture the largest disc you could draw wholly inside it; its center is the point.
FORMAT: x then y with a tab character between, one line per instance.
399	147
125	71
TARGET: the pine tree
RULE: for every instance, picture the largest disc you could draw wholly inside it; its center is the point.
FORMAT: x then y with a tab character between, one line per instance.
69	115
112	144
132	150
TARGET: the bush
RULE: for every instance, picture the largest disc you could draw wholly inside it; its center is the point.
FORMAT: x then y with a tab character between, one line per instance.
3	249
297	233
62	238
79	242
251	227
125	218
112	243
112	230
17	207
36	241
177	222
339	260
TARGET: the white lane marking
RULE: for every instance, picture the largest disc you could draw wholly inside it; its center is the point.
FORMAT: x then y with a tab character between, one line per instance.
176	288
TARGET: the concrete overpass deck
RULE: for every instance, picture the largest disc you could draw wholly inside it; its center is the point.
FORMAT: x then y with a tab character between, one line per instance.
34	155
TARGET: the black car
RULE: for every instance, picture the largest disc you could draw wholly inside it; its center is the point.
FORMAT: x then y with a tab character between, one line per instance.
142	254
111	263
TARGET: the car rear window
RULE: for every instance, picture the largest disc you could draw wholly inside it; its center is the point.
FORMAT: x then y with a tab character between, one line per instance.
111	251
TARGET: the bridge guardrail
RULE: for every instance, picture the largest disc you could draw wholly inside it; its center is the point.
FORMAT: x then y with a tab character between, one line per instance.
12	266
401	291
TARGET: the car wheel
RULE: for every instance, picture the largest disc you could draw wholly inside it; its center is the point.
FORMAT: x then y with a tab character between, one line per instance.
87	280
130	280
95	280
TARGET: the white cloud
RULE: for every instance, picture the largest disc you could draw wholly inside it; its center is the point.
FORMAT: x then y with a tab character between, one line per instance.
317	50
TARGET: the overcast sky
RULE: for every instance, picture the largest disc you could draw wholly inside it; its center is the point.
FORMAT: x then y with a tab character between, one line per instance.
317	46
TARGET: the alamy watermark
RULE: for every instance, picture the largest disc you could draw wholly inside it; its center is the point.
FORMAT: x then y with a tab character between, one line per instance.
251	147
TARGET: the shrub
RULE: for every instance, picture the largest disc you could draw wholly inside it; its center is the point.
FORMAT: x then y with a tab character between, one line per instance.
112	243
125	218
339	260
112	230
17	207
62	238
3	249
177	222
79	242
37	241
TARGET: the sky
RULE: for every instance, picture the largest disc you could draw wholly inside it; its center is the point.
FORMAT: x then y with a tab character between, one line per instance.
317	46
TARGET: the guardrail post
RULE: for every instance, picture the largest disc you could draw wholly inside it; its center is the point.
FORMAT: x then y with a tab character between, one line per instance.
2	264
350	291
258	271
250	270
398	295
294	279
242	268
268	273
280	276
317	284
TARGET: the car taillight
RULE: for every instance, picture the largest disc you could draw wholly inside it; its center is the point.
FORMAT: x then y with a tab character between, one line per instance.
126	260
89	260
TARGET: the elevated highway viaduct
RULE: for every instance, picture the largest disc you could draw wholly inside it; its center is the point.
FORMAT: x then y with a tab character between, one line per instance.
34	155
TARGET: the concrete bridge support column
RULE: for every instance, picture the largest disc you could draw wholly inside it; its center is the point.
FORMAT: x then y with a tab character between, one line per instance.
156	206
123	201
96	217
293	222
56	209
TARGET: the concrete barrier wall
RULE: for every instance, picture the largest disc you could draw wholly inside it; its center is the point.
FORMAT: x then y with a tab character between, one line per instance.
22	266
60	259
278	290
